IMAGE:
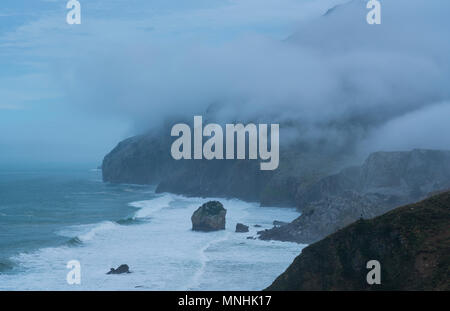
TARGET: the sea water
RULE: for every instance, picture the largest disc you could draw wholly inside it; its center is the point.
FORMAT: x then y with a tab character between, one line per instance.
48	218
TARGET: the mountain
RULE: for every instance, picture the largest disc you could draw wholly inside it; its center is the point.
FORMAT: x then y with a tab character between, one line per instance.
385	180
146	159
411	243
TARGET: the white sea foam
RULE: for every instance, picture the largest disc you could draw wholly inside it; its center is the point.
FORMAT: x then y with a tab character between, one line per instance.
163	253
99	229
148	207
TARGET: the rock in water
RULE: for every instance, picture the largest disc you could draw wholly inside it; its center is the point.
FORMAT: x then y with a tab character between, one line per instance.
209	217
121	269
241	228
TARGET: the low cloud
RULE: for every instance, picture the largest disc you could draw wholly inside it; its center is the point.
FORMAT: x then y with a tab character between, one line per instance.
424	128
337	79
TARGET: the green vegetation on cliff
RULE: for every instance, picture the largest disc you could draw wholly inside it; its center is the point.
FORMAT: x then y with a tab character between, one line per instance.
412	244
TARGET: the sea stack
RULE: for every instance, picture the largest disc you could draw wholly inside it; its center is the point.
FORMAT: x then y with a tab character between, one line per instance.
209	217
121	269
241	228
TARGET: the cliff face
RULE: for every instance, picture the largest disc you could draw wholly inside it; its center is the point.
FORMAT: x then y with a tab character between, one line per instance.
384	181
412	244
400	176
137	160
328	202
146	159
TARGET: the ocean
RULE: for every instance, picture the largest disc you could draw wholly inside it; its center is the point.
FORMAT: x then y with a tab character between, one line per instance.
48	218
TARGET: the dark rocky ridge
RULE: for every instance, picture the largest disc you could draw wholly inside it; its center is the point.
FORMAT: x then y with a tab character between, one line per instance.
384	181
146	159
142	159
328	202
412	244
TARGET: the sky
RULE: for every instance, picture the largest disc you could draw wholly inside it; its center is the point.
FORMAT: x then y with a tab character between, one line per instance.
70	93
59	102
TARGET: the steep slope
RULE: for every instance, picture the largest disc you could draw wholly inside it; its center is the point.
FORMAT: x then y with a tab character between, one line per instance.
146	159
412	244
142	159
384	181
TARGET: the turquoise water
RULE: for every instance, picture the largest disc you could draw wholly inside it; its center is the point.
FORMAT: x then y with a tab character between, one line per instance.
48	218
36	205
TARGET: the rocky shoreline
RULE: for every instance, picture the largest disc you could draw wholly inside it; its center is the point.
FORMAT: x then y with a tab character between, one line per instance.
411	244
385	181
334	204
328	200
146	159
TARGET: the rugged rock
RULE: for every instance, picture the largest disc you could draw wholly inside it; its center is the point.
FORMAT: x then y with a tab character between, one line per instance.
399	176
328	202
241	228
209	217
325	217
412	244
232	178
146	159
143	159
121	269
384	181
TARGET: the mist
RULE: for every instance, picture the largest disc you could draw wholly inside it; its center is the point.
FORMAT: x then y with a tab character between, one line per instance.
337	79
317	68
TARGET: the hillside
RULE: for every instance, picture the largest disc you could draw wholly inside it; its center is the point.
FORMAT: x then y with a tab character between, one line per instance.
146	159
384	181
412	244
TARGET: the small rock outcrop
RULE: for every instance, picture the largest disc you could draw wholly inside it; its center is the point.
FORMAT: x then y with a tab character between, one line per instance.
121	269
209	217
241	228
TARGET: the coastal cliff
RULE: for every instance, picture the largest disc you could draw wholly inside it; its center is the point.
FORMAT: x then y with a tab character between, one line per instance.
412	244
146	159
328	199
384	181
